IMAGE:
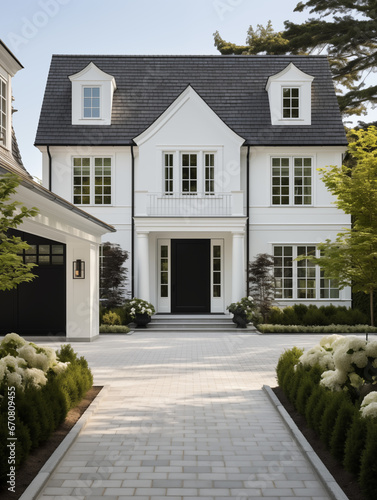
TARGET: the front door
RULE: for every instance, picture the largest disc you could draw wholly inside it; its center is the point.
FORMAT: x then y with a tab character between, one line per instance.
190	276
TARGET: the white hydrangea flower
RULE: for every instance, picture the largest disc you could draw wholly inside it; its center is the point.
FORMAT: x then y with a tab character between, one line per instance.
10	362
328	340
14	338
59	367
3	369
333	379
360	359
42	360
14	379
371	348
317	355
34	377
369	398
369	410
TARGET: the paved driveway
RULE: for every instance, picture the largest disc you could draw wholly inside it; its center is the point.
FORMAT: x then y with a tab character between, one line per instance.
185	418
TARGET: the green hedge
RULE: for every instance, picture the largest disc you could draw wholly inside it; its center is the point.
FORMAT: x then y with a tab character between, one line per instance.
114	329
40	411
268	328
335	418
301	314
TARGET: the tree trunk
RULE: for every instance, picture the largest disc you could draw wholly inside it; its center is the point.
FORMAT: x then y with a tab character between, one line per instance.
371	307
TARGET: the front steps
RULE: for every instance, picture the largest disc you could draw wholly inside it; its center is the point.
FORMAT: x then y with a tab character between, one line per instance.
195	323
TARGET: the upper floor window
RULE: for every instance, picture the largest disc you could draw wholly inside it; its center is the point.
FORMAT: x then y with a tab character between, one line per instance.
292	181
209	175
189	173
92	181
3	112
168	173
291	102
92	103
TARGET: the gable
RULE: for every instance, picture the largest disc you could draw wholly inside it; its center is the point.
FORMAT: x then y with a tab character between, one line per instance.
188	120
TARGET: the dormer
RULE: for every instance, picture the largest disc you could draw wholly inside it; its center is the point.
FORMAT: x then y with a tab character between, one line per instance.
290	97
92	96
9	66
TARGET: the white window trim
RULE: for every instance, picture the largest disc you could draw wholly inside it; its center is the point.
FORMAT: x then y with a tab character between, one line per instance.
295	298
92	184
291	180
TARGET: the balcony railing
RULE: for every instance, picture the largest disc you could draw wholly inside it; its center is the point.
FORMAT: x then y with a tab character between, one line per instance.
190	204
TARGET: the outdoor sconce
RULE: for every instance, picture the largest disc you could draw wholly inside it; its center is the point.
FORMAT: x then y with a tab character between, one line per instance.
78	269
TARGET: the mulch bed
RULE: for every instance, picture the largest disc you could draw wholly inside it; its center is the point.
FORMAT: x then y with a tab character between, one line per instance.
35	461
347	481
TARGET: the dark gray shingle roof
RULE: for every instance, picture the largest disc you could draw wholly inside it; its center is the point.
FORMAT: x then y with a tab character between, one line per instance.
233	86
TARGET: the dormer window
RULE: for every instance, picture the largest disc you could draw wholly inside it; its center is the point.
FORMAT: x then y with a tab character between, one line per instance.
92	96
291	102
92	108
290	97
3	112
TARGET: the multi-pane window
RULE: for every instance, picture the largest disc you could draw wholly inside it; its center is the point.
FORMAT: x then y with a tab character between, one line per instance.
164	271
189	173
300	279
292	181
3	112
291	102
216	271
283	272
92	181
306	274
168	173
209	174
45	255
92	102
280	181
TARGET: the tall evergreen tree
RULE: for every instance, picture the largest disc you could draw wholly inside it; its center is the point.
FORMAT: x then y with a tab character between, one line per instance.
113	274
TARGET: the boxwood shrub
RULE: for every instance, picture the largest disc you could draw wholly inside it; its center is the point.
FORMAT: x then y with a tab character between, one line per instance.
39	411
336	419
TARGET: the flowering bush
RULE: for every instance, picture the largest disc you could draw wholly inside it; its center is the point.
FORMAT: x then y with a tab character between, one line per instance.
24	364
139	306
349	363
244	306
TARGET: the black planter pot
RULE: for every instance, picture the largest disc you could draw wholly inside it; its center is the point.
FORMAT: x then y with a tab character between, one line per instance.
142	320
240	319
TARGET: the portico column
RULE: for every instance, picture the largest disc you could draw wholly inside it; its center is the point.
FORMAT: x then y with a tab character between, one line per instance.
238	266
143	265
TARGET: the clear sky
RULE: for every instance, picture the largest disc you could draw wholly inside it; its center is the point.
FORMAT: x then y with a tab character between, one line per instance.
35	29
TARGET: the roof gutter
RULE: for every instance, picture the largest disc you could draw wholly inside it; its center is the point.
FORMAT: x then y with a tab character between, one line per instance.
132	221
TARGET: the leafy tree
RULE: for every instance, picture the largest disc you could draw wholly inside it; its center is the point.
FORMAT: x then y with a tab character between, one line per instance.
352	257
113	274
12	269
262	282
345	30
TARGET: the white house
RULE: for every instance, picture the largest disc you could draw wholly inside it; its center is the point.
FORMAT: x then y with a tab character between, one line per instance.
64	243
200	163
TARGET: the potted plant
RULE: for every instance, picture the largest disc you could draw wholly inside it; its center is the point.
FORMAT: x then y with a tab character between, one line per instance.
140	311
242	311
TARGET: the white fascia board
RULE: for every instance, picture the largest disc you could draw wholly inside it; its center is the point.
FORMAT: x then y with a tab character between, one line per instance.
186	95
289	74
92	72
190	224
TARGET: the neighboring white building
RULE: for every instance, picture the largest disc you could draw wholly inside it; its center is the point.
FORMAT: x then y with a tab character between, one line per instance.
61	237
201	163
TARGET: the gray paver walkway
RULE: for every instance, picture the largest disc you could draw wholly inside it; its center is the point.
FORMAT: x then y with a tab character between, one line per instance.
185	418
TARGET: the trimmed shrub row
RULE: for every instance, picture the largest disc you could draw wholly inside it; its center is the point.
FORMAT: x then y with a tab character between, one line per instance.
351	438
114	329
268	328
301	314
40	411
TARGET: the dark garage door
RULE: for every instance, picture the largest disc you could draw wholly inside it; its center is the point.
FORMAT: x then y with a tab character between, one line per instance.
37	307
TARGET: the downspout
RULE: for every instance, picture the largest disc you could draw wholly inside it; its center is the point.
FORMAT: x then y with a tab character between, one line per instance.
247	219
132	222
49	168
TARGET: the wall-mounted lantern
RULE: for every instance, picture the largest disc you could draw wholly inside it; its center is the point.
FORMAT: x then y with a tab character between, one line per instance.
78	269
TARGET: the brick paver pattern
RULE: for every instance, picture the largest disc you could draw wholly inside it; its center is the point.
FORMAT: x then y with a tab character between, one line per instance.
184	418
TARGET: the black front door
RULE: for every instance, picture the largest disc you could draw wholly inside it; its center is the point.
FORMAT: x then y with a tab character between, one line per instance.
190	267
